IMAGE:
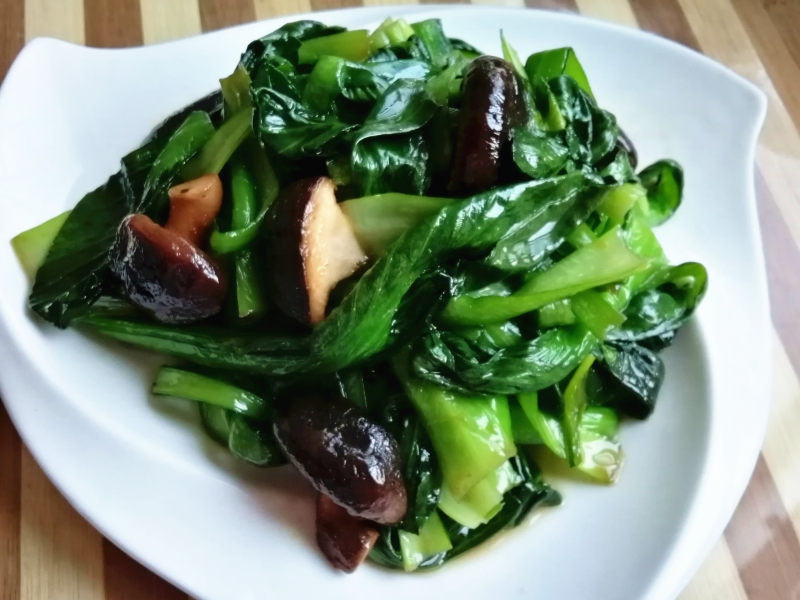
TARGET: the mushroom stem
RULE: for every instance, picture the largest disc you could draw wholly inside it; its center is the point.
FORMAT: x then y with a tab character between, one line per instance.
193	206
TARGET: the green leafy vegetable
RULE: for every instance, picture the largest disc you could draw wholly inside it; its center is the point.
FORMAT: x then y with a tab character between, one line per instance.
663	181
360	326
521	321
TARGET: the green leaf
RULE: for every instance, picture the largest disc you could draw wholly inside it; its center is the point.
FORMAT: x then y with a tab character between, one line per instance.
351	45
663	181
530	365
31	246
193	386
470	434
361	325
606	260
629	378
379	220
549	64
284	42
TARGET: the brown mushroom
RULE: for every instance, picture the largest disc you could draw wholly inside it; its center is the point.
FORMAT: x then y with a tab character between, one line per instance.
312	248
344	455
345	540
492	106
163	269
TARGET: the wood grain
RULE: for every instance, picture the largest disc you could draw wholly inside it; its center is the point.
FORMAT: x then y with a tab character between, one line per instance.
12	32
770	39
63	19
125	579
616	11
763	542
216	14
113	23
275	8
665	18
169	20
10	474
718	578
556	5
60	553
782	445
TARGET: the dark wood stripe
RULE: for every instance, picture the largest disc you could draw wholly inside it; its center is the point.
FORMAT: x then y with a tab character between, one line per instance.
216	14
559	5
665	18
763	542
328	4
112	23
783	272
10	470
778	46
785	15
125	579
12	32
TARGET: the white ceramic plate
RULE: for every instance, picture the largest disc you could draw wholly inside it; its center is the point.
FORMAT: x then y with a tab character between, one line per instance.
143	473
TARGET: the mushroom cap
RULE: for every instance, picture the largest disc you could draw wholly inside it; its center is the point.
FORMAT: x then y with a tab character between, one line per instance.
164	273
347	457
491	107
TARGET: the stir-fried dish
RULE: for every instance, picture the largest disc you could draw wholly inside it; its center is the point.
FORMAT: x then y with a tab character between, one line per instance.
402	266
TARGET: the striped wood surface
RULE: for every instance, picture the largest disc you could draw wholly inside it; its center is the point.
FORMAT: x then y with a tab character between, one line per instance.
47	551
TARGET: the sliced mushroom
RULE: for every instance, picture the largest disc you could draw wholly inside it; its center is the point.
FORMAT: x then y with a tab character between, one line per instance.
163	269
312	248
492	106
344	455
345	540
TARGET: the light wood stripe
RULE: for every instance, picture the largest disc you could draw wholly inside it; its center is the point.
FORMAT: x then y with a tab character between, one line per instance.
164	20
63	19
10	449
113	23
216	14
60	553
718	578
275	8
617	11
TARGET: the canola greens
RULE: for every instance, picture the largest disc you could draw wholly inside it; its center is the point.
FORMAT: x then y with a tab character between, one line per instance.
486	328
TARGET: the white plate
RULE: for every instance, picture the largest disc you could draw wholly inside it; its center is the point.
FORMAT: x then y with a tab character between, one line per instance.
143	473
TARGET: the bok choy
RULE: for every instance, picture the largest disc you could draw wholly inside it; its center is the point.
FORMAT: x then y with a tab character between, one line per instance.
402	266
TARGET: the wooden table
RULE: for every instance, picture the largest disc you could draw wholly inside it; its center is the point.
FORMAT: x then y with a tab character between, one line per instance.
47	551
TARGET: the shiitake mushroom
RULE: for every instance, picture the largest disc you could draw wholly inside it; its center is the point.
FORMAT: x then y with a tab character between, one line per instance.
344	455
345	540
491	107
162	268
312	247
